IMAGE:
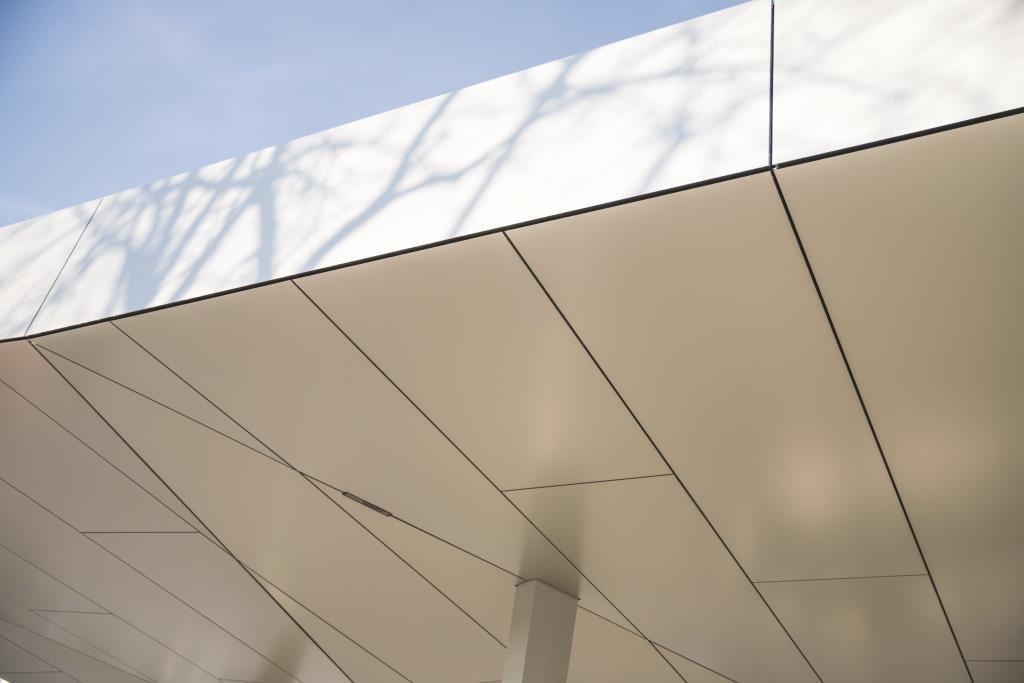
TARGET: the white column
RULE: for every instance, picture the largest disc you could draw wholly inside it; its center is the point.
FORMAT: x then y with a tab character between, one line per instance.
541	635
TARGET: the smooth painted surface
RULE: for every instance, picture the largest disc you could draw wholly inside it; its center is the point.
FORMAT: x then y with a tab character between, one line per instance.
191	567
884	630
329	412
645	545
37	590
48	464
602	652
278	524
847	73
488	343
673	106
541	634
700	309
917	249
32	253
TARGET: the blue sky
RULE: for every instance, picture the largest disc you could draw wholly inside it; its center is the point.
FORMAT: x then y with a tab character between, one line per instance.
101	95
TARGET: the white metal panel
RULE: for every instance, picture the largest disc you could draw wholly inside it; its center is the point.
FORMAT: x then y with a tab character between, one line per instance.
358	663
84	667
603	652
191	567
680	104
699	308
32	253
132	646
24	370
483	590
36	589
917	249
73	558
645	545
847	73
997	672
691	671
107	350
39	678
65	650
466	331
276	364
884	630
279	524
45	462
14	658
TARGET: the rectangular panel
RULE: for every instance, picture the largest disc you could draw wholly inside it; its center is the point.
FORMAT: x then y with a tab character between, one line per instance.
279	524
191	567
882	630
917	247
847	73
132	646
643	543
677	105
276	364
467	333
32	253
700	309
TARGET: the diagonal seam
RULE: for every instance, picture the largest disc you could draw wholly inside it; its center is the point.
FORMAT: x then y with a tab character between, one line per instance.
867	415
63	265
650	439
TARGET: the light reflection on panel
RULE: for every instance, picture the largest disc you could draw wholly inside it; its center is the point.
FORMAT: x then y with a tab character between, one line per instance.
699	307
884	629
277	523
274	362
466	331
917	249
205	577
656	558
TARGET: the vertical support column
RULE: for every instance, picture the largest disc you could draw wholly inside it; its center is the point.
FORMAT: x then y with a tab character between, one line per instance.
540	639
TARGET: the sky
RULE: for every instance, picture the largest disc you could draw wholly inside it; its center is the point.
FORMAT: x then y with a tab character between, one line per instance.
98	96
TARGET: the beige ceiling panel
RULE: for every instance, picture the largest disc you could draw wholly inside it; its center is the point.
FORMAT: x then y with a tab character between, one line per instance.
917	247
37	590
884	630
132	646
204	576
603	652
279	524
48	464
24	370
486	592
71	557
65	650
358	663
997	672
39	678
105	349
655	557
273	362
690	670
700	309
14	658
467	333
